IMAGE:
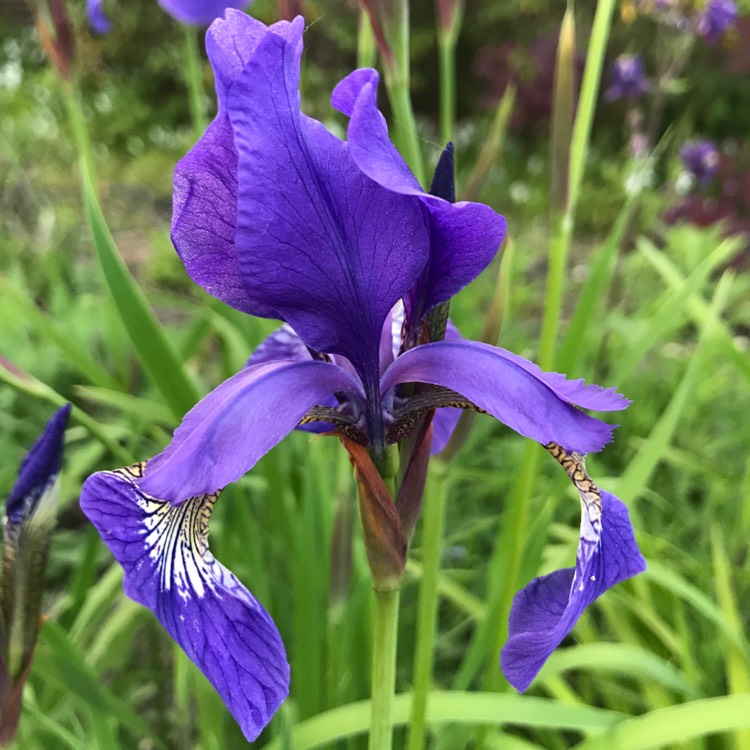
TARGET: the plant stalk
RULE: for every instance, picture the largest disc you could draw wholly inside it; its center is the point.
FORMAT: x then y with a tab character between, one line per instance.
385	637
194	81
434	522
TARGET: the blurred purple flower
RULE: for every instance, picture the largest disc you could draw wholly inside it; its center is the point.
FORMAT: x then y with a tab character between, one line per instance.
716	19
701	159
627	79
191	12
277	217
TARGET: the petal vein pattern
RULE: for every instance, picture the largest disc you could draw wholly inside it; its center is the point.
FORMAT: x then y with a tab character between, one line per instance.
518	395
326	247
223	629
223	436
547	609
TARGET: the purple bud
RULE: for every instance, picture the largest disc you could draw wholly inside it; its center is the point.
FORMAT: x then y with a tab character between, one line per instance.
701	159
627	79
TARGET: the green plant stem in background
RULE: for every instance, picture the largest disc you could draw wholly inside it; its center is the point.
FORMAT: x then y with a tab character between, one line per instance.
194	80
397	81
449	19
366	49
433	513
385	638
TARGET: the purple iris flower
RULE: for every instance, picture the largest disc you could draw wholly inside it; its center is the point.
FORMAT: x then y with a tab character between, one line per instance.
627	79
716	19
279	218
701	159
191	12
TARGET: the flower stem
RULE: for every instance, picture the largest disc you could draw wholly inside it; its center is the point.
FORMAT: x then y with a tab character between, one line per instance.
194	80
447	57
385	637
397	80
434	521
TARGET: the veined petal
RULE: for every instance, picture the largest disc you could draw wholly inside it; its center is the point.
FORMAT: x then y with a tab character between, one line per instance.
204	214
200	12
545	611
464	237
285	344
39	469
204	218
97	20
223	629
223	436
319	242
576	392
232	41
503	388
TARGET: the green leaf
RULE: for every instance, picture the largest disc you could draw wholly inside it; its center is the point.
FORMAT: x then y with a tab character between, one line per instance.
453	706
668	726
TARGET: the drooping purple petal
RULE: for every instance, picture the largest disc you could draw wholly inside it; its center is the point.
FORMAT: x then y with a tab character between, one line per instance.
515	395
285	345
223	629
200	12
464	237
39	468
97	20
223	436
319	242
545	611
576	392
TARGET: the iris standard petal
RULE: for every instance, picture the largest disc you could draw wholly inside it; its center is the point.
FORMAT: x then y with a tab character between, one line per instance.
464	237
231	42
97	20
223	629
326	247
223	436
200	12
511	393
204	218
39	469
545	611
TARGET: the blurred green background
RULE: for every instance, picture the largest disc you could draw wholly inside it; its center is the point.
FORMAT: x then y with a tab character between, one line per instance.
668	323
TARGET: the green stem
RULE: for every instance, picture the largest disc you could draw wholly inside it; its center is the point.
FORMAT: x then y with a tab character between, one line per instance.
194	80
434	522
447	57
385	637
366	48
397	81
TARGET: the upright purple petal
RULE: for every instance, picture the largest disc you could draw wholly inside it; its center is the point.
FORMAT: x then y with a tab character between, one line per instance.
232	41
223	436
220	625
39	469
200	12
464	237
204	214
545	611
327	248
497	383
97	20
